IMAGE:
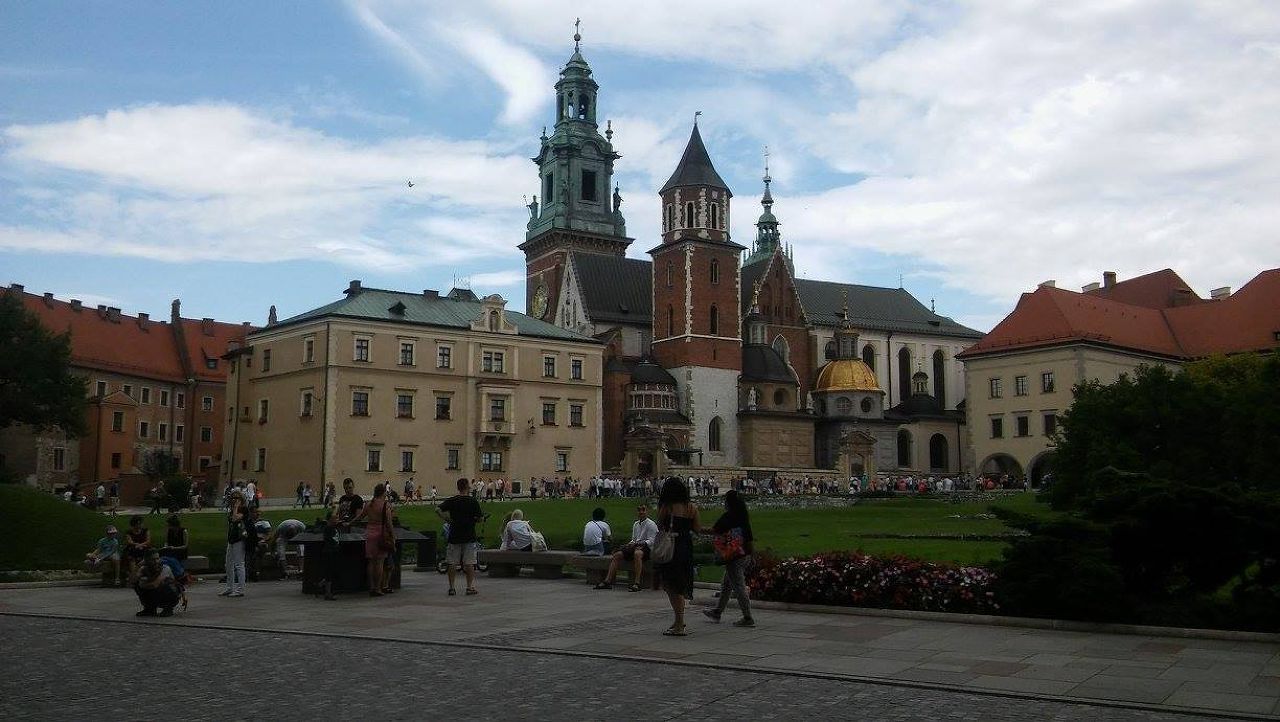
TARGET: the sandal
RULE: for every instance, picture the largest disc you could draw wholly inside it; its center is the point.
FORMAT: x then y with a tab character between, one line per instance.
472	592
633	588
673	632
453	592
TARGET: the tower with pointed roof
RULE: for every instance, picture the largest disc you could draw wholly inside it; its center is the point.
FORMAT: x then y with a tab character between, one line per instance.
768	237
696	306
578	207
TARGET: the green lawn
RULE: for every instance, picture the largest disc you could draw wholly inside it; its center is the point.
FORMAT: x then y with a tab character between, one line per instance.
47	533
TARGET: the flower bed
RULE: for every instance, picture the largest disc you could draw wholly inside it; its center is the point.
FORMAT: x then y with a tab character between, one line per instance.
852	579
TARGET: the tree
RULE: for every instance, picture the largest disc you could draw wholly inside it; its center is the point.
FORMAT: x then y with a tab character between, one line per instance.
36	384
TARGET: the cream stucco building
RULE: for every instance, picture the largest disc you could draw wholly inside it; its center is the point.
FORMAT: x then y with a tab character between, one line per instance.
387	385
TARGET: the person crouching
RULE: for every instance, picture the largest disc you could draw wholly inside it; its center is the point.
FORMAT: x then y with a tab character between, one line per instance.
156	587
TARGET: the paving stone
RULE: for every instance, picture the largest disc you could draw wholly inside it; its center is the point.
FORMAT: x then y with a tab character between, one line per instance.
1221	701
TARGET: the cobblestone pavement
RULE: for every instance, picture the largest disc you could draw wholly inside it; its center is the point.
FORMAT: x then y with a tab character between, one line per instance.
194	673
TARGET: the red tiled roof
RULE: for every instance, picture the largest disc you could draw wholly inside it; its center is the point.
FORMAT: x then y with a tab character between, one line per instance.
209	339
1162	289
1245	321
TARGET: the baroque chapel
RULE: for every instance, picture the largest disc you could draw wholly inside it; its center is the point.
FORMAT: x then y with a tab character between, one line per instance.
718	356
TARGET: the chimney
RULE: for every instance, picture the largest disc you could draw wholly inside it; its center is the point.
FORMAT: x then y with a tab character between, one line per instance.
206	326
143	320
16	287
175	311
1090	288
113	314
246	328
1218	294
48	300
430	293
75	305
102	310
1049	284
353	289
1108	279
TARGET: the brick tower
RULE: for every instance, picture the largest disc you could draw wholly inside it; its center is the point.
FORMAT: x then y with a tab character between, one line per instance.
696	334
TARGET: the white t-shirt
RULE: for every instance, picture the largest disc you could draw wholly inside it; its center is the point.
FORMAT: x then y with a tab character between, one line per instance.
644	532
594	533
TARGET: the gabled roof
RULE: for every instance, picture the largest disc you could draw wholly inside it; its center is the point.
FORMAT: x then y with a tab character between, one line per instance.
1245	321
374	304
761	363
209	340
873	308
1162	289
695	168
615	289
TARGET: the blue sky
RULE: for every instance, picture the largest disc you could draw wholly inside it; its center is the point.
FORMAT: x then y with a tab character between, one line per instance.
238	155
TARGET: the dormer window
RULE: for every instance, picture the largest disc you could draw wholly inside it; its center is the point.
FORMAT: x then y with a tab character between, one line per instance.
493	320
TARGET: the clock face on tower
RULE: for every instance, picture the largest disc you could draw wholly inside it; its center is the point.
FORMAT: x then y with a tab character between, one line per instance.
540	302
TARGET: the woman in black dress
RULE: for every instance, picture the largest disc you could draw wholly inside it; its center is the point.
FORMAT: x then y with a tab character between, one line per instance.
677	514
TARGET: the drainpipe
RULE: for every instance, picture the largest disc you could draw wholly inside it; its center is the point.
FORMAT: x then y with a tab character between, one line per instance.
324	425
97	445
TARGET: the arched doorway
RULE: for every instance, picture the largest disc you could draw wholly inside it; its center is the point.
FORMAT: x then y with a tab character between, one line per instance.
904	374
939	456
645	467
1000	464
1041	466
904	449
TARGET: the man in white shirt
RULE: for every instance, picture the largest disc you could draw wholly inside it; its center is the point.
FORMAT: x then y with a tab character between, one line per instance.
643	533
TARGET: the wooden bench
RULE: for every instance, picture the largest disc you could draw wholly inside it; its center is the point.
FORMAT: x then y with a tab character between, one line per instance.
597	567
506	563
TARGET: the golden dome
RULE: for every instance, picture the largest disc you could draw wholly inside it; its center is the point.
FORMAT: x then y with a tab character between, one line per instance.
846	375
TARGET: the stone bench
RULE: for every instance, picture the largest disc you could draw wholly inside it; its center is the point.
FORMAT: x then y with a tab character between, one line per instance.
597	567
195	564
507	563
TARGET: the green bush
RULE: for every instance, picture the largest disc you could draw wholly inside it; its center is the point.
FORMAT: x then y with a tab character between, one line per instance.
1063	570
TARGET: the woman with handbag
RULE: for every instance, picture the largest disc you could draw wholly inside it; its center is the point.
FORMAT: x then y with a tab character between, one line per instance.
734	544
235	547
379	539
673	550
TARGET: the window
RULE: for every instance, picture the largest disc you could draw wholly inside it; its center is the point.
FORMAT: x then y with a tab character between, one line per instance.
102	388
548	366
866	406
374	459
548	413
997	428
562	461
211	364
493	320
406	460
59	459
404	406
492	362
589	189
714	211
669	274
497	409
715	269
115	460
575	369
128	390
575	414
452	459
442	407
205	463
844	406
117	421
264	407
308	350
690	215
1019	385
670	224
146	394
206	403
144	429
308	401
361	350
715	320
548	188
444	357
266	359
713	434
180	400
164	397
491	461
162	431
359	403
179	433
1046	382
780	397
1022	426
261	460
406	353
996	388
206	434
1050	424
671	321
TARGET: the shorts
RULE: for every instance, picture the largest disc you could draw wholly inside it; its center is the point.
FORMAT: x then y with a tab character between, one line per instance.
629	552
461	554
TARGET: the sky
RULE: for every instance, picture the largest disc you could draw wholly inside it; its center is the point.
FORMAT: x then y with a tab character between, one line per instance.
239	155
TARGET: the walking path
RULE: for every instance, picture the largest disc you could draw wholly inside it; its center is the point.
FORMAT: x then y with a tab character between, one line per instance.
566	617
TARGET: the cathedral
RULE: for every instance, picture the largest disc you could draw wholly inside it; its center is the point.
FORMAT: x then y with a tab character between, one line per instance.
719	356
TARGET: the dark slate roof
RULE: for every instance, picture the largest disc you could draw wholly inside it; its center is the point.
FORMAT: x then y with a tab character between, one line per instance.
872	307
647	371
919	406
375	304
695	167
761	363
656	416
614	288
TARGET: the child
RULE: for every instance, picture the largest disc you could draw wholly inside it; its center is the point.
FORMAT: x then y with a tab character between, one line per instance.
107	551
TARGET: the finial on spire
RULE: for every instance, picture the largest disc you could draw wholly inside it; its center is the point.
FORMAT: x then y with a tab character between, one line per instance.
577	33
608	130
696	113
844	307
767	179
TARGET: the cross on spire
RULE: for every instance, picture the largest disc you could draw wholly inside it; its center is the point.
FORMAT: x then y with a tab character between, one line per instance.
696	113
577	33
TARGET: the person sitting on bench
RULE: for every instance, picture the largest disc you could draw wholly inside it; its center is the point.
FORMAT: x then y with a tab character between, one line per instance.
517	535
643	533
